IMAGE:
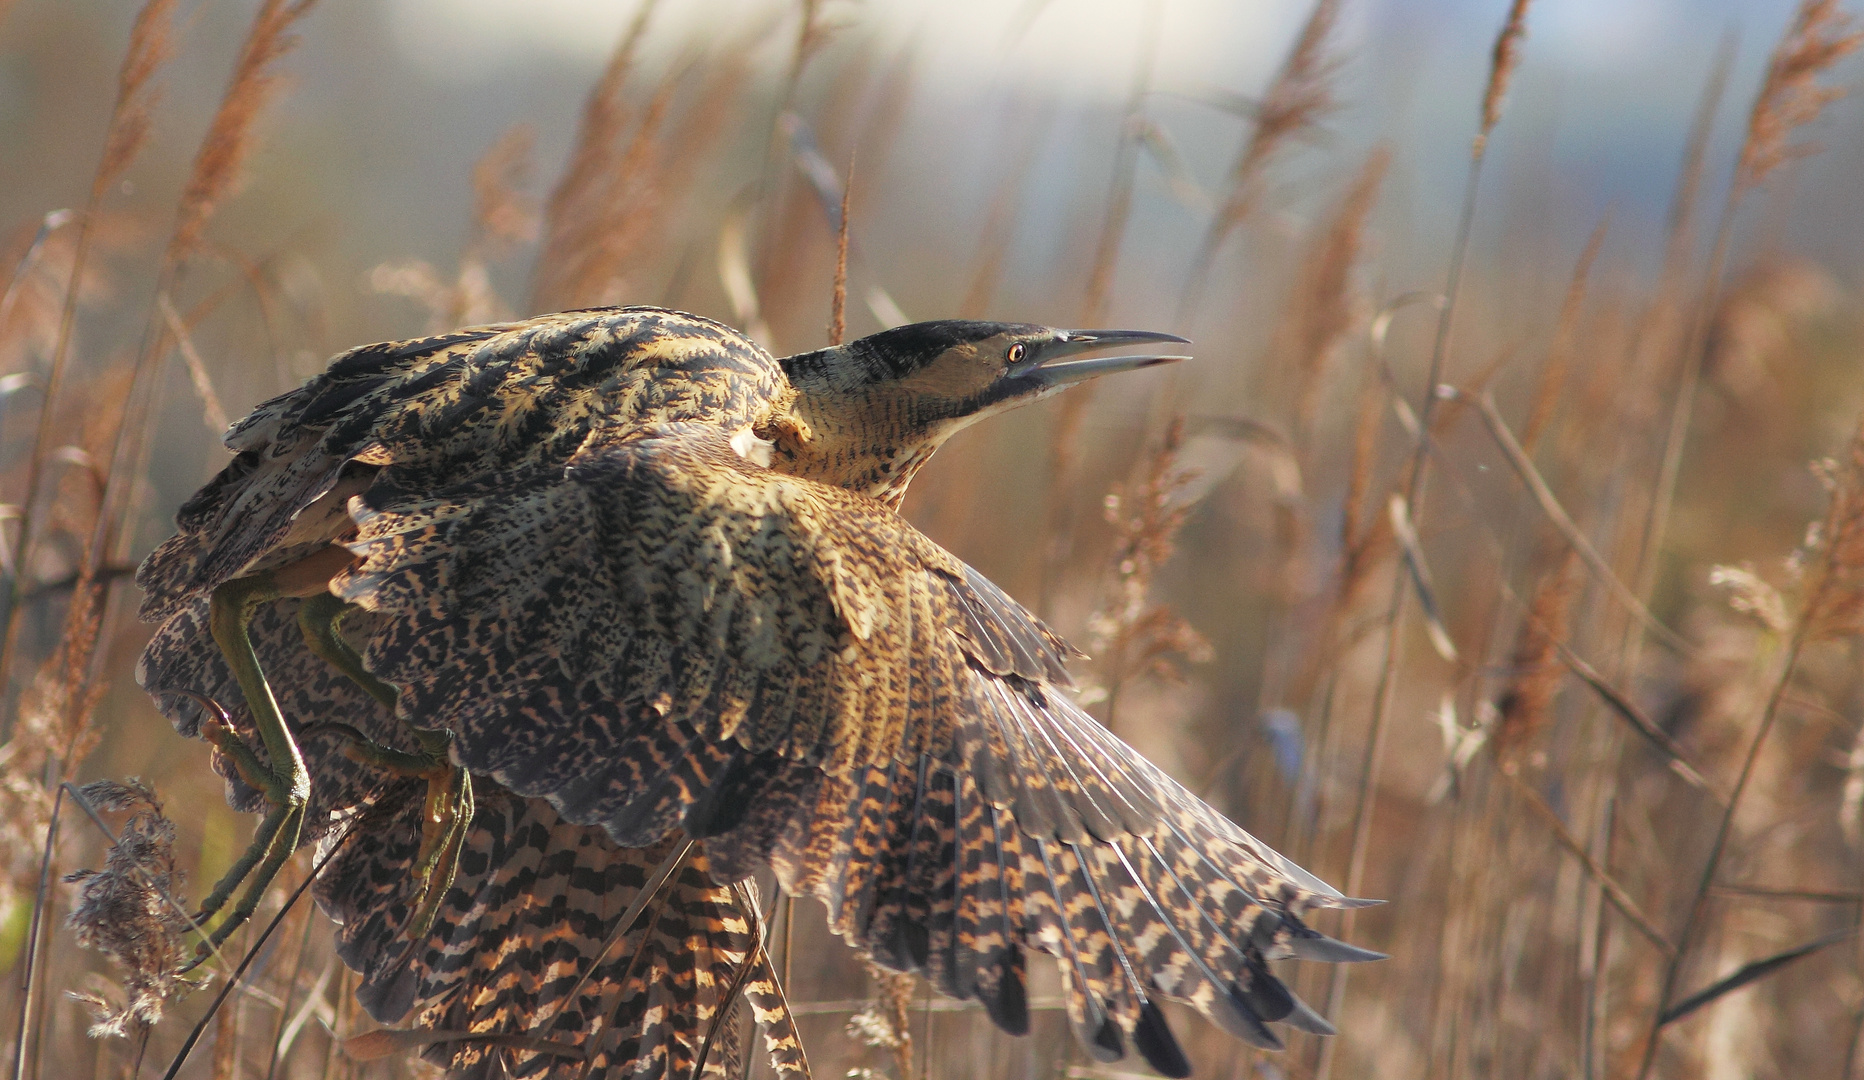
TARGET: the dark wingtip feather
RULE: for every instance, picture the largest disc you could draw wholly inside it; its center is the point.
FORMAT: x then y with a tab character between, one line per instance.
915	942
1153	1037
1317	946
1095	1030
1008	1006
1262	992
1304	1018
1243	1021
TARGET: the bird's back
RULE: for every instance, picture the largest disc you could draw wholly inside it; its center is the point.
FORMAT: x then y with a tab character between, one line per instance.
481	405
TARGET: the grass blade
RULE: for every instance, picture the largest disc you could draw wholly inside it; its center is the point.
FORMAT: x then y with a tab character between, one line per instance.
1759	969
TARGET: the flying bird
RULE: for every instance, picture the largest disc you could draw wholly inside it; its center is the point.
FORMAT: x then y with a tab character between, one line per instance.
549	634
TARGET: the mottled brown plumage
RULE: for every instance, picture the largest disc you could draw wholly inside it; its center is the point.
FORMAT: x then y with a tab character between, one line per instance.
652	583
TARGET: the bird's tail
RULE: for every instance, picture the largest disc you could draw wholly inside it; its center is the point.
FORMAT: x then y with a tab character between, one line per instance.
533	902
520	953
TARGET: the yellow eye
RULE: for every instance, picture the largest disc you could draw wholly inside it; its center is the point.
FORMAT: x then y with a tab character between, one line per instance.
1017	351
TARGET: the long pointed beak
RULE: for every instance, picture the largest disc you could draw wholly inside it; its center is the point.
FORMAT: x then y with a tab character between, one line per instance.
1051	365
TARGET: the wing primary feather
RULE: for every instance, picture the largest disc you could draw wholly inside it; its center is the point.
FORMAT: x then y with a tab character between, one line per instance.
1137	816
1235	1015
1304	1018
876	822
1093	1028
1307	944
941	910
729	795
1216	927
886	930
910	932
982	633
1009	1005
1151	1034
1042	653
964	903
1168	819
1136	770
1039	806
1100	823
843	851
1247	1008
1021	655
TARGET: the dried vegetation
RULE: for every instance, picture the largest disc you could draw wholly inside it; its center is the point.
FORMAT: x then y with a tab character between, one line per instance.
1528	601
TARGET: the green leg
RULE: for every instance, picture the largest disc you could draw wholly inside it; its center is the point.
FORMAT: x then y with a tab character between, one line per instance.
285	782
449	804
320	618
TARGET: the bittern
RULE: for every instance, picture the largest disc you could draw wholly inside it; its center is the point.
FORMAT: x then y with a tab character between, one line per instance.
625	593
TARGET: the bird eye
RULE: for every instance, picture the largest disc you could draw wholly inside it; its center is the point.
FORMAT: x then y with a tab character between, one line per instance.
1017	351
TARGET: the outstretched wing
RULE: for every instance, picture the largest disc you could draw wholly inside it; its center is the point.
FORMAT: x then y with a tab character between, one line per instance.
664	636
478	402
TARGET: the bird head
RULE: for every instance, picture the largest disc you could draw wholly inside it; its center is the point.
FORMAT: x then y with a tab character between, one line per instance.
869	413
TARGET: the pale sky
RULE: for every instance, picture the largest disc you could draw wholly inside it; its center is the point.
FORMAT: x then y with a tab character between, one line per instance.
1084	46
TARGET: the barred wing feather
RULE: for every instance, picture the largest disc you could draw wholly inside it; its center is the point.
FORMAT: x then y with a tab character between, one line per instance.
665	636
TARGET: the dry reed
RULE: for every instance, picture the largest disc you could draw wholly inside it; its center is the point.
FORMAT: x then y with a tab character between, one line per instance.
1525	707
1505	56
1503	59
1533	906
219	167
1833	597
150	46
1791	96
1554	372
1298	98
592	238
1133	635
838	304
130	912
1325	302
581	192
1064	439
885	1023
504	216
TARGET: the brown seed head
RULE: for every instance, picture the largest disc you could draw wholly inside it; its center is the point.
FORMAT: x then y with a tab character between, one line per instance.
1506	57
129	910
231	136
1790	96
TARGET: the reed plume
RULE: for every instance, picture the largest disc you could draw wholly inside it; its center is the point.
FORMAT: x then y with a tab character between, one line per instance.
1791	96
504	215
1559	363
582	194
1503	59
1326	298
1300	96
131	910
1133	635
1536	670
219	166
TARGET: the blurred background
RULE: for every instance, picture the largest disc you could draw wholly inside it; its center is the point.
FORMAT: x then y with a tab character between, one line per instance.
1512	684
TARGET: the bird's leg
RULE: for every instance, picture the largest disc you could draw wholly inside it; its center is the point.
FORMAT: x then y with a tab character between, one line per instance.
320	618
283	779
449	805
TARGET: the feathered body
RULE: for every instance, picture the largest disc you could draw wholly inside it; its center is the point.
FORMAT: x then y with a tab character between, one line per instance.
570	553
